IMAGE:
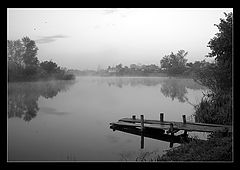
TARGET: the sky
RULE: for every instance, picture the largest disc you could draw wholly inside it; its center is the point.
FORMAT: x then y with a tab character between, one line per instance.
91	38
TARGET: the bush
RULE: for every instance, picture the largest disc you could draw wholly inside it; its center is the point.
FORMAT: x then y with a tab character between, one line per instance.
69	77
215	109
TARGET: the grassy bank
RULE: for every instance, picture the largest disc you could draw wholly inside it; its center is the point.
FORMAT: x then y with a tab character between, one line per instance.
216	148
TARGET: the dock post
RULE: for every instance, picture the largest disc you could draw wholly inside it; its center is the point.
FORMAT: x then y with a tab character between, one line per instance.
142	140
172	134
184	122
184	119
134	117
142	123
161	117
142	127
171	128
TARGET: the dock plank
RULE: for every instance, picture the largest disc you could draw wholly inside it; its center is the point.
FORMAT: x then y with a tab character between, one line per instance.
168	122
153	126
165	125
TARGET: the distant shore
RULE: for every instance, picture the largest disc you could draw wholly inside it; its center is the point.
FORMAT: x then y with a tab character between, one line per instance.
138	75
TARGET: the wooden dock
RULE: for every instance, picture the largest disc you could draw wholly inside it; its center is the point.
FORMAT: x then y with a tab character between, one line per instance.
153	134
160	129
171	126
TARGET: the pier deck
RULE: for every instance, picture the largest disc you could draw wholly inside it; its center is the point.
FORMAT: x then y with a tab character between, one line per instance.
171	126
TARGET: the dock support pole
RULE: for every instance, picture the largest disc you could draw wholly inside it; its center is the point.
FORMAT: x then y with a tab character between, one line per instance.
142	127
171	128
134	117
142	140
184	119
161	117
142	123
172	134
184	122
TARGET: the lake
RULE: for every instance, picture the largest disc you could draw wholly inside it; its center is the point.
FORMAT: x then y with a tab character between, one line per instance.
69	120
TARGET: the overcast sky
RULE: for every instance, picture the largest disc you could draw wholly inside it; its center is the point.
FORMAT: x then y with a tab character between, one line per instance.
88	38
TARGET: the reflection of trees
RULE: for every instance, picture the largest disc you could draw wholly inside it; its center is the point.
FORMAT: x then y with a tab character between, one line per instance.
177	88
22	105
23	97
172	88
149	81
132	81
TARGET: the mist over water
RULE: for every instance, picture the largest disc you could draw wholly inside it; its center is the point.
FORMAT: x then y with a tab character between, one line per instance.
69	120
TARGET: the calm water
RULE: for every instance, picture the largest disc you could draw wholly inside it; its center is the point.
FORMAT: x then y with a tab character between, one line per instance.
69	120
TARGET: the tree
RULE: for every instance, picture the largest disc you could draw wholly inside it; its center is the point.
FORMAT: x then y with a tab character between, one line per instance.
221	49
216	106
221	46
15	52
22	52
30	60
23	63
22	60
29	56
49	66
174	63
119	69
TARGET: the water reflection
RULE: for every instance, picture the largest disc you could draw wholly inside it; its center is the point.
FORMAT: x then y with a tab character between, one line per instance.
175	88
23	97
132	81
154	134
52	111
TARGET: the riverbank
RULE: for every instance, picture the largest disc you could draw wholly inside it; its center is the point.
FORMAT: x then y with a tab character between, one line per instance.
216	148
46	78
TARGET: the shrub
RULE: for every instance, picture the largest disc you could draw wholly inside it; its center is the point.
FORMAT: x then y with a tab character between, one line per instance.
215	108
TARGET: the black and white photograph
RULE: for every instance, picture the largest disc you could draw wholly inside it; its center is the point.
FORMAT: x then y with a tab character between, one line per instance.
120	85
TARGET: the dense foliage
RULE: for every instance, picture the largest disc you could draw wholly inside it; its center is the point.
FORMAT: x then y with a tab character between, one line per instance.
216	106
174	63
221	48
23	64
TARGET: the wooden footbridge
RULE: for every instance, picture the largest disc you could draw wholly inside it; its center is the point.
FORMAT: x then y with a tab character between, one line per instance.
146	127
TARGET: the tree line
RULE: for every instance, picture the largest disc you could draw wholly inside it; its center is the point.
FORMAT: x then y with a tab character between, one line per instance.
23	64
170	65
